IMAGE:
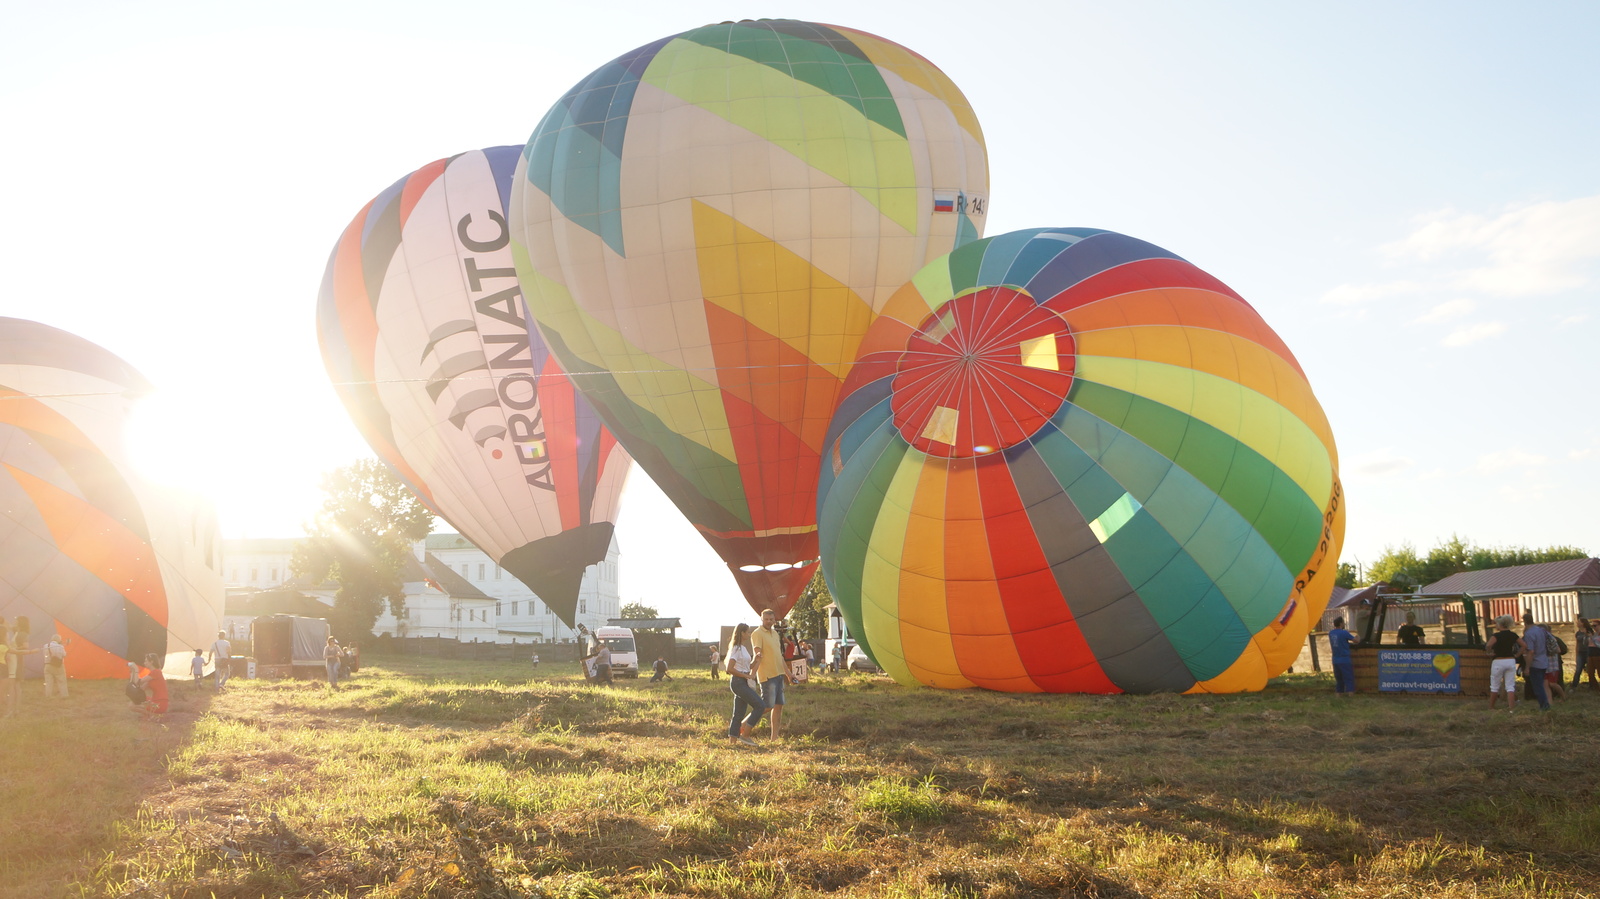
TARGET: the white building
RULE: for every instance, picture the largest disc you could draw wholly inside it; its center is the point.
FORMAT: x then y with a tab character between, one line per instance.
453	589
520	615
262	564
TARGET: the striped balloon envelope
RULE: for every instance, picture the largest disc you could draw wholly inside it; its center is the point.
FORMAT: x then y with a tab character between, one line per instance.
116	565
707	225
426	338
1070	461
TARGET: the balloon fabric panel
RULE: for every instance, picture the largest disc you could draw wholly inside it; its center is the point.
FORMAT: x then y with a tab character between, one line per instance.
94	553
1156	481
423	314
705	226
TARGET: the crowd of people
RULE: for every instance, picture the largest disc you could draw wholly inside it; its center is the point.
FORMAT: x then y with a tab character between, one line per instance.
761	662
1539	655
1536	655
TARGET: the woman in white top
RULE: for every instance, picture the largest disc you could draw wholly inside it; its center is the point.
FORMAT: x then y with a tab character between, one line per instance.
740	662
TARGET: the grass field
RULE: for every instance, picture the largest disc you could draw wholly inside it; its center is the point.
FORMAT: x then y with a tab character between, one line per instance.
435	779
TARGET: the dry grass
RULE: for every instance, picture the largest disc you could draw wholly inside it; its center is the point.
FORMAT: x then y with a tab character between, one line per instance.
427	782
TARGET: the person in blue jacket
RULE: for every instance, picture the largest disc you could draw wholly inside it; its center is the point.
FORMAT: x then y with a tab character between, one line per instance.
1344	672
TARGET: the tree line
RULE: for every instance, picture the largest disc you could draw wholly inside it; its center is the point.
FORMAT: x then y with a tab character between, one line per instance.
1403	567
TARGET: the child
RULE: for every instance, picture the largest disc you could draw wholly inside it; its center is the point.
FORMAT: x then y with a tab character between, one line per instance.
155	687
197	667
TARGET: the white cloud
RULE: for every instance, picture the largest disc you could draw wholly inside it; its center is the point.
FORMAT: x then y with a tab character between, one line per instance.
1470	334
1380	462
1503	460
1538	248
1541	248
1447	311
1358	294
1574	319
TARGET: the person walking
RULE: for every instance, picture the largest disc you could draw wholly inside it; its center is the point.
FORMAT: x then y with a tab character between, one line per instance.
197	668
1536	659
330	660
748	706
1502	648
716	661
221	652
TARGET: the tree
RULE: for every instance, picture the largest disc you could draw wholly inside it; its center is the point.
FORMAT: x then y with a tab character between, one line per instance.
809	616
1397	567
639	610
1401	567
361	540
1346	577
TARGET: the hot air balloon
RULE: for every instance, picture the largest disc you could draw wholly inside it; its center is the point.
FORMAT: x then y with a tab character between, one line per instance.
93	552
425	335
1071	461
705	226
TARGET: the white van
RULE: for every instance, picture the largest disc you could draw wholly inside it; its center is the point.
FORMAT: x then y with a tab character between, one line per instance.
624	654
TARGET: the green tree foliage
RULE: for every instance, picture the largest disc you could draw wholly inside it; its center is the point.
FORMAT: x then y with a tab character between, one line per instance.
1346	577
809	617
361	540
1402	568
1398	566
640	610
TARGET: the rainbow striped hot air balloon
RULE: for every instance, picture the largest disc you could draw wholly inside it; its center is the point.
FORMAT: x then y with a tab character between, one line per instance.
706	226
1070	461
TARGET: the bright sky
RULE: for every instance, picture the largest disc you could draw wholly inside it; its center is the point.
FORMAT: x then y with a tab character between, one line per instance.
1409	193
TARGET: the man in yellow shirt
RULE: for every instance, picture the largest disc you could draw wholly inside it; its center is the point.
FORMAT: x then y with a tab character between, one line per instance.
770	673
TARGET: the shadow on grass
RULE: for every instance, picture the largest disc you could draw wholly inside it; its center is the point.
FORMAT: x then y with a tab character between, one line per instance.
72	770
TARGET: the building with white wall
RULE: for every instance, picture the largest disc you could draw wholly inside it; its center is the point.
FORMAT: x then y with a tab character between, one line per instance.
520	614
259	563
453	590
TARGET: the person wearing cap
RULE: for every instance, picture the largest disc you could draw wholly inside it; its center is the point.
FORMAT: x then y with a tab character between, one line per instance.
1502	647
55	667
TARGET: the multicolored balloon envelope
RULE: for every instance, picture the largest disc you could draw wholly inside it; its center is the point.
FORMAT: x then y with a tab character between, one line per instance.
706	226
1070	461
425	334
92	552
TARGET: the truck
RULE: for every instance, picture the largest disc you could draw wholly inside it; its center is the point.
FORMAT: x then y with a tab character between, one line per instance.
624	652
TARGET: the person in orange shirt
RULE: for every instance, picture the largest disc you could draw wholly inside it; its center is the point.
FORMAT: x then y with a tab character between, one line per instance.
770	669
155	687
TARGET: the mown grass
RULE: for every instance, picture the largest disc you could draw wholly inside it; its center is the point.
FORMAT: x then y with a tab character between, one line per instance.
438	779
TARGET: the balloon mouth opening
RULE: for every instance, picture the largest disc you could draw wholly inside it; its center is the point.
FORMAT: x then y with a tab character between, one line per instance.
777	566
